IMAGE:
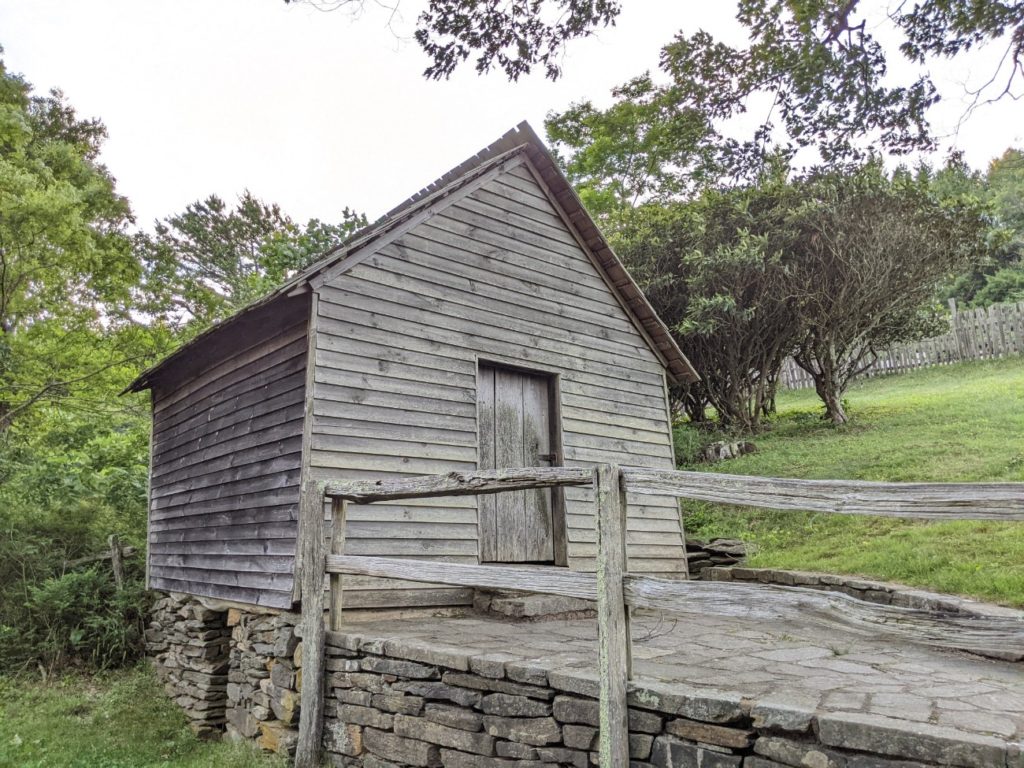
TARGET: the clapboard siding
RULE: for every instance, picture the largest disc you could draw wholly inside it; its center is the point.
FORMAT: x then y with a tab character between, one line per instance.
496	275
227	448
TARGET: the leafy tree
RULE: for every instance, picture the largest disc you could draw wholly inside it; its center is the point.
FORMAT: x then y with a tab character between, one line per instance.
66	266
870	254
999	275
815	69
513	35
717	270
818	59
638	150
209	261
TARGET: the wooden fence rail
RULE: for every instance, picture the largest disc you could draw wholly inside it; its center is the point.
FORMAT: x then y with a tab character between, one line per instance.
616	591
984	333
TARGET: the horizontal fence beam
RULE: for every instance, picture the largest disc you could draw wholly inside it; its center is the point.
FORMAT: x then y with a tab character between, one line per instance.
546	580
756	602
832	610
946	501
459	484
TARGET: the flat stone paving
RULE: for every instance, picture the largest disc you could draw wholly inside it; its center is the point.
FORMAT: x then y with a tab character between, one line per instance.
773	667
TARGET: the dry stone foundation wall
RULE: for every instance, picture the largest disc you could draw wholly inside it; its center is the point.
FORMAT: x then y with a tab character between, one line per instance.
394	704
232	672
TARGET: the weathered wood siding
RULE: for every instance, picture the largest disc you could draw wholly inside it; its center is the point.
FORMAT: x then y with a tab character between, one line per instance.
227	441
495	276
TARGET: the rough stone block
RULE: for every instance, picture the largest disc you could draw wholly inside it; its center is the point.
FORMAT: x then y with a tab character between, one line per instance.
353	713
364	681
354	696
442	735
454	717
282	674
434	655
343	738
669	752
243	721
440	691
277	737
515	750
525	672
285	705
735	738
563	756
784	712
499	686
507	705
536	731
399	703
407	669
579	736
401	750
917	741
790	752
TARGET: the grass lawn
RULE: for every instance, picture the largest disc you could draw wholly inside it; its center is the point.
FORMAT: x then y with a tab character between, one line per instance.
955	423
116	720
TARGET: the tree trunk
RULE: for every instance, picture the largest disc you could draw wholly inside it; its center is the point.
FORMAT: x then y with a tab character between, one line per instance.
832	396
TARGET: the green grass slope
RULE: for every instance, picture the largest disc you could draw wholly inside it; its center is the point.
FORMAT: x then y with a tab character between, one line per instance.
114	720
950	424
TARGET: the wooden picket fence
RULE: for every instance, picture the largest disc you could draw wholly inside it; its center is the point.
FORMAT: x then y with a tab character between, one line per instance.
616	591
985	333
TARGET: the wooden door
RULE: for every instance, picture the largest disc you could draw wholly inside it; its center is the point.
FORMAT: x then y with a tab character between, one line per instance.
515	430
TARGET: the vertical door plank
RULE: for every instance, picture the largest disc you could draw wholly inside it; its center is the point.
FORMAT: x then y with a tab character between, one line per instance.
486	505
536	444
508	450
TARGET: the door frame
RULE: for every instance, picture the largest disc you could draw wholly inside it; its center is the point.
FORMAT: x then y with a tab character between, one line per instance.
559	530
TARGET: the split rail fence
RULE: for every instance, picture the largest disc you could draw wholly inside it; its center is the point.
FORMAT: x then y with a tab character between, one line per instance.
985	333
617	592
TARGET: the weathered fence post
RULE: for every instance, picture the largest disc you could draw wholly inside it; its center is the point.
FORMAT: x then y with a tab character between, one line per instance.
116	560
311	702
614	660
339	511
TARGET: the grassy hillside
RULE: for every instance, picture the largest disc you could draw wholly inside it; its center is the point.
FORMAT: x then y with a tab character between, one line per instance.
955	423
115	720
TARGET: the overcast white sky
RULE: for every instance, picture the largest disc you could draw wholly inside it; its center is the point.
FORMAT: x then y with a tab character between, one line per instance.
316	111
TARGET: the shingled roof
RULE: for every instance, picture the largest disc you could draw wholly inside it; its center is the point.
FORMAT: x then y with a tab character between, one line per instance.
521	139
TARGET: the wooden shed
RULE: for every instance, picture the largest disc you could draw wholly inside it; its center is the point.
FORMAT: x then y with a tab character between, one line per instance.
483	323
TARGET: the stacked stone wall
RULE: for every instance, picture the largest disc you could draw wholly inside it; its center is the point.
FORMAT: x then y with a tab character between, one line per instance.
189	645
392	705
232	672
263	681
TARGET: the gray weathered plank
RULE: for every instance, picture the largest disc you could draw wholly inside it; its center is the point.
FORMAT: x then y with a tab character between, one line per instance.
612	620
948	501
459	484
837	611
313	553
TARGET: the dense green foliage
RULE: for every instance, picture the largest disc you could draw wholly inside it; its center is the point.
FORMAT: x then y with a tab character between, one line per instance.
1000	276
113	720
946	424
211	260
85	304
829	268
